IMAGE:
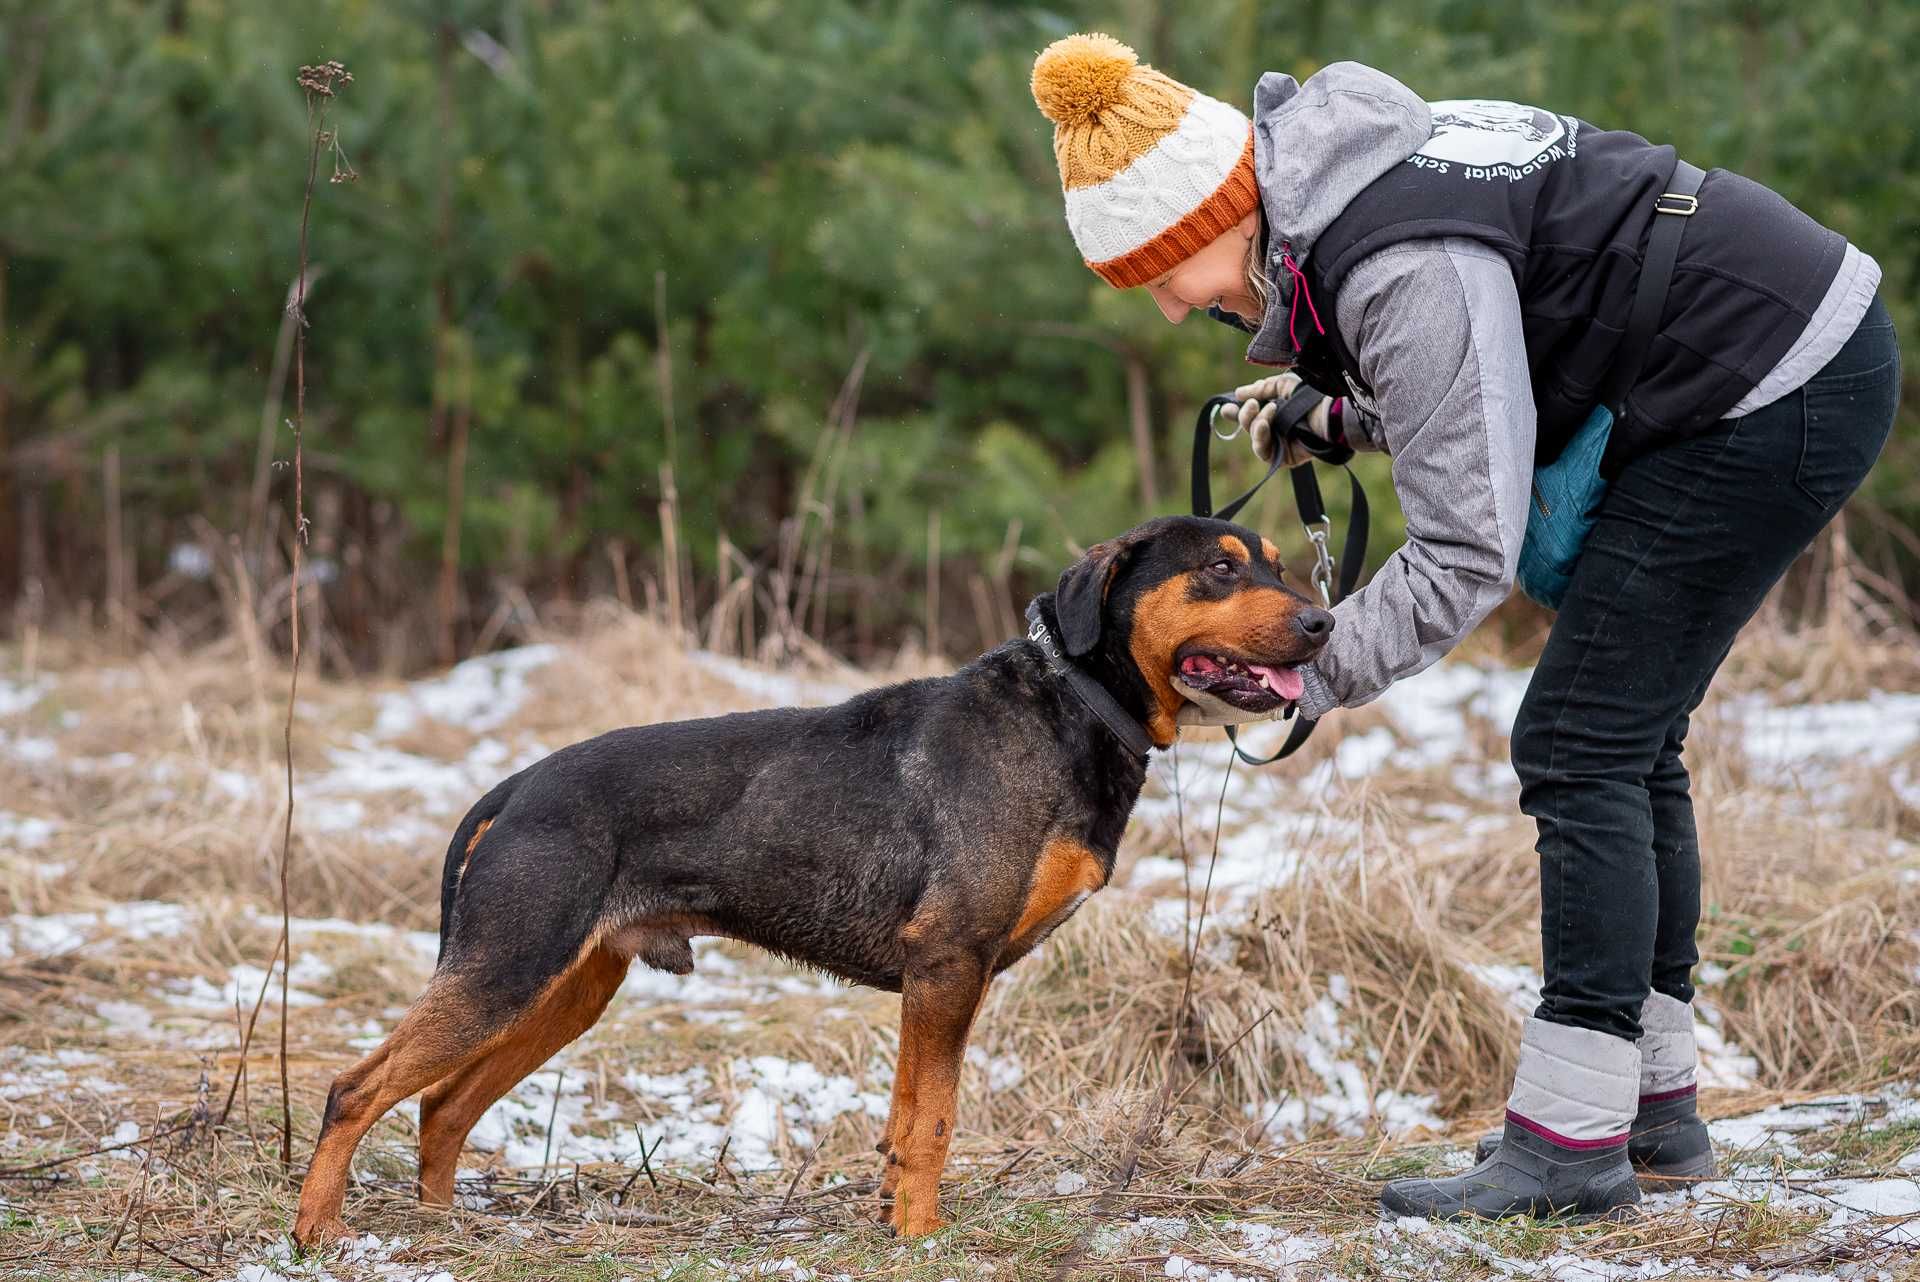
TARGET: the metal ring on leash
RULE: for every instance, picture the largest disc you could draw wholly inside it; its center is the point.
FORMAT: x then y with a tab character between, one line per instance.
1214	420
1332	580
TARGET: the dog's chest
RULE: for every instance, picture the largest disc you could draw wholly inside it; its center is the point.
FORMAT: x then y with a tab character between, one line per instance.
1066	873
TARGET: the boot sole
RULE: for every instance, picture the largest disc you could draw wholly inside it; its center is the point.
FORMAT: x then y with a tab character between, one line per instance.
1623	1214
1654	1179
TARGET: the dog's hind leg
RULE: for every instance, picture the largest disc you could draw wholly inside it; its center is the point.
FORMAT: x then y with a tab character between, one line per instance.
441	1034
569	1005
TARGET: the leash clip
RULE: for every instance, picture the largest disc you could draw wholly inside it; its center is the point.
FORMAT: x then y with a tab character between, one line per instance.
1322	573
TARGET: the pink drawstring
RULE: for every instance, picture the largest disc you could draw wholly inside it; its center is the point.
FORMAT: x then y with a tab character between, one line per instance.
1299	290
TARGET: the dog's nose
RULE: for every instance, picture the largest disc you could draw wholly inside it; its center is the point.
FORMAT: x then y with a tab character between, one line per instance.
1313	623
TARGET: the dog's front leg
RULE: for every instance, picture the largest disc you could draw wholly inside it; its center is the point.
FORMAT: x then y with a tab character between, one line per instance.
938	998
902	1105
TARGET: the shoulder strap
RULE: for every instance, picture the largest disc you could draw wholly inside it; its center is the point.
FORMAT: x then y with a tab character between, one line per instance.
1671	209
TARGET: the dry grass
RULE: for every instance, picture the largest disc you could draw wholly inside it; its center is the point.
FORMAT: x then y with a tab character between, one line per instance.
1398	906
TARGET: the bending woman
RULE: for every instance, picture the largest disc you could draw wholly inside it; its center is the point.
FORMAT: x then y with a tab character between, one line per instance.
1459	275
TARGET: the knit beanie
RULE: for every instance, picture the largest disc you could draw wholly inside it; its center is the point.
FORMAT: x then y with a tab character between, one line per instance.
1154	170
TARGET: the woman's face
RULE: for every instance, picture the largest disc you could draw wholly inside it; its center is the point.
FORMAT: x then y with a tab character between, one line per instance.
1217	274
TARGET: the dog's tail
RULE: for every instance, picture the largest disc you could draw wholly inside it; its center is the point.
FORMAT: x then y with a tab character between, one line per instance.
460	849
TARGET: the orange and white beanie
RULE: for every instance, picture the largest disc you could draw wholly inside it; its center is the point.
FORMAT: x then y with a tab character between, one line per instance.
1153	169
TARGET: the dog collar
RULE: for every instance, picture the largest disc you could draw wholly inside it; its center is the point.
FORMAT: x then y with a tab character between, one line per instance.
1099	701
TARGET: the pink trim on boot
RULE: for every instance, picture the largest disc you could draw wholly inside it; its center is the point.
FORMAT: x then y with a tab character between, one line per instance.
1555	1137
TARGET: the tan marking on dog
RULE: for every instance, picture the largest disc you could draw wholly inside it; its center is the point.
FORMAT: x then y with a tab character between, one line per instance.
1253	621
1272	550
472	841
1233	547
1066	873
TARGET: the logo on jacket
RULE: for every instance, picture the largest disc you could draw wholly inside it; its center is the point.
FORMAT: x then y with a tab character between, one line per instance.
1485	139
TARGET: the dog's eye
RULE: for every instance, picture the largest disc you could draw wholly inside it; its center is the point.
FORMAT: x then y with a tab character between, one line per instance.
1224	568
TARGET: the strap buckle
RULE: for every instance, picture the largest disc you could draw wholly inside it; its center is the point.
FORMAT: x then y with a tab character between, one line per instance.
1677	204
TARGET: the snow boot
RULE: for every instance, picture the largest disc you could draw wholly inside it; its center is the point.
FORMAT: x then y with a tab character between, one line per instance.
1564	1148
1668	1143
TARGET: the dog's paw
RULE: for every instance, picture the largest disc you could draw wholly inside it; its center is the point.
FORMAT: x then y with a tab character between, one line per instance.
314	1234
907	1220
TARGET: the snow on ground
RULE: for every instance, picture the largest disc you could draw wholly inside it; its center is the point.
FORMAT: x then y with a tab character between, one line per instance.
1267	823
24	832
761	1106
1346	1104
1872	730
1850	1217
481	694
774	689
53	934
18	696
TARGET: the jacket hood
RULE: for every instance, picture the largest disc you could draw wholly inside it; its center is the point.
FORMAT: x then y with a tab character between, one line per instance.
1315	147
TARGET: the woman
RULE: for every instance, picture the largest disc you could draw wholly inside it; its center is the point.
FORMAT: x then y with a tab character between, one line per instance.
1460	275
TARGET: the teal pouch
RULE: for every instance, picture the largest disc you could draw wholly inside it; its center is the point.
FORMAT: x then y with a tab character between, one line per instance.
1566	500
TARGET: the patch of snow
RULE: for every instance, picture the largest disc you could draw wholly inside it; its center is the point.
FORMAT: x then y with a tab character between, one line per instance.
793	1094
234	784
366	1257
682	1115
31	748
1863	731
33	1073
1346	1104
24	832
52	934
775	689
190	561
1359	755
424	944
1721	1062
1003	1072
480	694
1776	1126
367	767
1276	1248
1885	1198
17	696
1520	985
243	986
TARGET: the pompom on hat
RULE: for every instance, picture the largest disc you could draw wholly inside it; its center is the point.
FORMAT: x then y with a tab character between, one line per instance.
1154	171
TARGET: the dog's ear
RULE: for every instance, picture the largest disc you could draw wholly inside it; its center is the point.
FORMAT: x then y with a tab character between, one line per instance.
1081	597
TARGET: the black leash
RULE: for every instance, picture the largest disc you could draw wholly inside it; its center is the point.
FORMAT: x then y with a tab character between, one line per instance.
1334	580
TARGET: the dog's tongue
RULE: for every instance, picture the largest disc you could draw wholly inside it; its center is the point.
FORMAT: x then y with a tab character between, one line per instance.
1284	682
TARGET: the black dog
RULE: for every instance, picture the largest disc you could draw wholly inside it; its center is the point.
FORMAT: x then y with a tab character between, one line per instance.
918	838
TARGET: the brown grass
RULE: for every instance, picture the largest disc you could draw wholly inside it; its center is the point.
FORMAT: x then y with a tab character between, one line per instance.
1814	921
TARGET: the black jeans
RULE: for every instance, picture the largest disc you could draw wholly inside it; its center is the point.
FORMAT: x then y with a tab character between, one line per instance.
1688	542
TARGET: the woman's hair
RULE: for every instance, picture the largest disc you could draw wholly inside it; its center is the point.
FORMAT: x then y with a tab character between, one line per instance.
1259	289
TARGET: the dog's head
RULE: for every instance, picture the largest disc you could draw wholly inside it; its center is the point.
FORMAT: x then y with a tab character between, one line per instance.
1187	605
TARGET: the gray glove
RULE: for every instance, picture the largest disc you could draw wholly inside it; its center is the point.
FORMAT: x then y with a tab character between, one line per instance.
1259	404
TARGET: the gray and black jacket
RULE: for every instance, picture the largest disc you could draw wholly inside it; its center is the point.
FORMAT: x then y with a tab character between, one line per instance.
1461	271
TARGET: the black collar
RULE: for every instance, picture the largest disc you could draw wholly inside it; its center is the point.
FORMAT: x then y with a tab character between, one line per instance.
1099	701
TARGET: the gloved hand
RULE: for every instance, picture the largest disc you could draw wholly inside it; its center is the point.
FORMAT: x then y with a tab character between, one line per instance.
1260	403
